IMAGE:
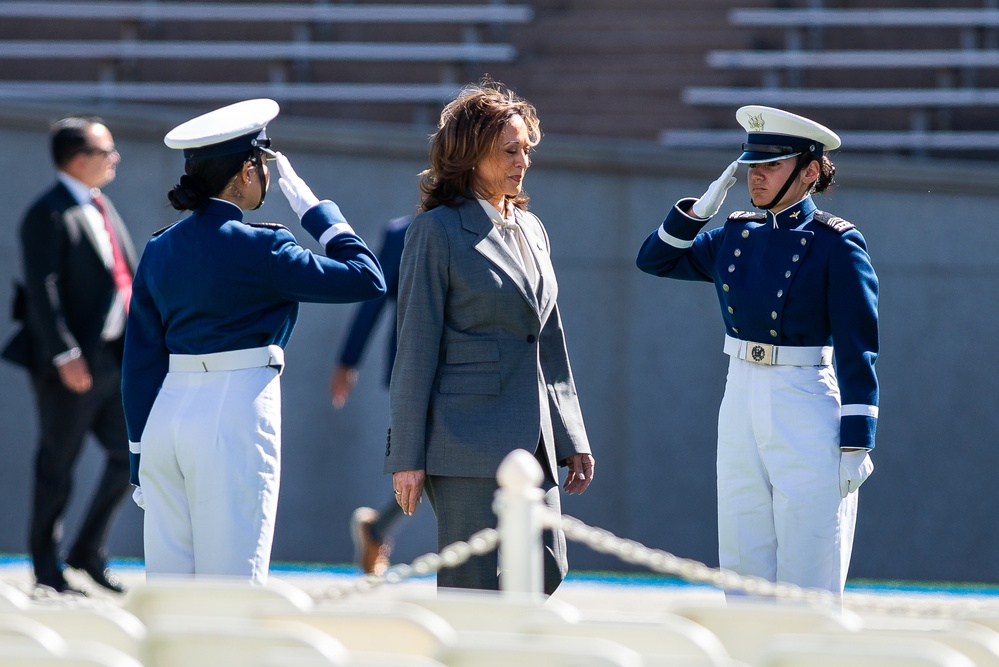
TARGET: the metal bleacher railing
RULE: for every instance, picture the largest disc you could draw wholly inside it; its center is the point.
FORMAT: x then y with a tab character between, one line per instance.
282	56
805	33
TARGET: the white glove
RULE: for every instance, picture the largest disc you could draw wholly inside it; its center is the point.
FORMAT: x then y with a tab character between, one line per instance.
294	188
854	468
137	497
712	199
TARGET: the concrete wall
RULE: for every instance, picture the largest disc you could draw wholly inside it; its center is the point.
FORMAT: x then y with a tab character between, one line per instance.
646	352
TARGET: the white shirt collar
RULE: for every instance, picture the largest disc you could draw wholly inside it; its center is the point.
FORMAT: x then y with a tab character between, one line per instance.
80	191
497	218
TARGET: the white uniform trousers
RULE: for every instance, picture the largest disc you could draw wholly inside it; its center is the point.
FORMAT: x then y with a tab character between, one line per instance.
780	514
210	473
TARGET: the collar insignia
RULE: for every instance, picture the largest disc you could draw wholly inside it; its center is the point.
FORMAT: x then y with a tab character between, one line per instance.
795	214
756	123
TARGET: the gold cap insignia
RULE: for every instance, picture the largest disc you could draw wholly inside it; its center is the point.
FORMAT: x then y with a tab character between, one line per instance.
756	123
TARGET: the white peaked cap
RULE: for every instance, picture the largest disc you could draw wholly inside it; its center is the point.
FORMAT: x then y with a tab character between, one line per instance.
231	129
775	134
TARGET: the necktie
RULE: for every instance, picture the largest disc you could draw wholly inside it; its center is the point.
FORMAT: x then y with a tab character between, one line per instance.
120	272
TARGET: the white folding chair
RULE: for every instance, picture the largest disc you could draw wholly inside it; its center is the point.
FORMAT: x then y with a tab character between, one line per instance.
979	643
186	596
18	631
654	636
491	610
857	650
107	624
176	641
503	649
745	626
375	626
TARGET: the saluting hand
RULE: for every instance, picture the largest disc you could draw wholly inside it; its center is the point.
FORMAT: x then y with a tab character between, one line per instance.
297	192
580	473
712	199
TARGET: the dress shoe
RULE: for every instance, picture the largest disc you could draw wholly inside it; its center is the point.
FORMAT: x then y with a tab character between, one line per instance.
370	554
57	582
97	569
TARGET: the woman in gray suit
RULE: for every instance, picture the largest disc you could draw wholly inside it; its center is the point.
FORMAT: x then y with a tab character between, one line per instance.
482	367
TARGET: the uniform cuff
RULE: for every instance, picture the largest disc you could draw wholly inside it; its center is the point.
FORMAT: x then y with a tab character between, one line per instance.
133	466
857	431
680	228
334	231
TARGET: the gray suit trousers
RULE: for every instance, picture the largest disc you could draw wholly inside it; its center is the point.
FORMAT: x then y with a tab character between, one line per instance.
463	506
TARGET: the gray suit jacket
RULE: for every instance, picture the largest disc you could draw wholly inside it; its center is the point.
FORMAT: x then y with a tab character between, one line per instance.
482	367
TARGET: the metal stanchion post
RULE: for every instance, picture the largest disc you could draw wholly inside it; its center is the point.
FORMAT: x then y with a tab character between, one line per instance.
519	508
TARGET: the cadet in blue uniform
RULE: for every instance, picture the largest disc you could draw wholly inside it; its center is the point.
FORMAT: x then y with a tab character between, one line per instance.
214	302
799	301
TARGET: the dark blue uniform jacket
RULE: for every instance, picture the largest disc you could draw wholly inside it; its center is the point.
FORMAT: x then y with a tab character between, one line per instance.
212	283
800	278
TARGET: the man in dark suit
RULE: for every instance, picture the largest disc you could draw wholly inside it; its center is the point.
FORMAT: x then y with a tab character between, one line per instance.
78	261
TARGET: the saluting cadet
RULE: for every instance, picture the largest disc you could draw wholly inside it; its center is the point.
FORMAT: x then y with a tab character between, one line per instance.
799	299
214	302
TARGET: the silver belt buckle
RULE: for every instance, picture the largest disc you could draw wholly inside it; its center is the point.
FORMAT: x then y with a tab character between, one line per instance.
760	353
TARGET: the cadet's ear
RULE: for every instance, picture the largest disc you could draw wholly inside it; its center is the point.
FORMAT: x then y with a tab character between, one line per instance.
812	171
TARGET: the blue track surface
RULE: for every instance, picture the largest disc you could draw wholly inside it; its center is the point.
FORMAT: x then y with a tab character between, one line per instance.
14	561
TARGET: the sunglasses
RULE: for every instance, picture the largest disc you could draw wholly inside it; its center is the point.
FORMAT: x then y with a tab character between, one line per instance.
100	151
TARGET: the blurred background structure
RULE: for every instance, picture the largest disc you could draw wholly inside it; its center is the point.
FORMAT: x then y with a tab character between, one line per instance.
637	100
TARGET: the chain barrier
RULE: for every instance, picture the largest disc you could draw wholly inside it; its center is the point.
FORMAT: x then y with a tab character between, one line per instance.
663	562
695	572
452	555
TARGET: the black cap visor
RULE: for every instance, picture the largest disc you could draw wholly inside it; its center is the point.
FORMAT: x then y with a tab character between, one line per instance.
242	144
772	147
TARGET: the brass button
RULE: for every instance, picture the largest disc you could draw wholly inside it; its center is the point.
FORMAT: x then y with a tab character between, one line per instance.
773	315
737	252
731	268
745	233
773	333
803	242
787	274
731	310
780	293
795	258
734	330
725	287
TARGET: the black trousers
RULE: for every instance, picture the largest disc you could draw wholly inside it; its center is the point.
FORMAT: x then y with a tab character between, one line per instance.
64	419
463	506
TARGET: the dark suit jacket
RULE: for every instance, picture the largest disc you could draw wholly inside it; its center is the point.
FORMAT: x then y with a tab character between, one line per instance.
482	367
68	291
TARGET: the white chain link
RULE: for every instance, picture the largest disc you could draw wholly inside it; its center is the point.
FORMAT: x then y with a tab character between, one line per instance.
657	560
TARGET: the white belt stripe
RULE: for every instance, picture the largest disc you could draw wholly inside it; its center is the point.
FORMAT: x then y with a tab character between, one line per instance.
257	357
781	355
